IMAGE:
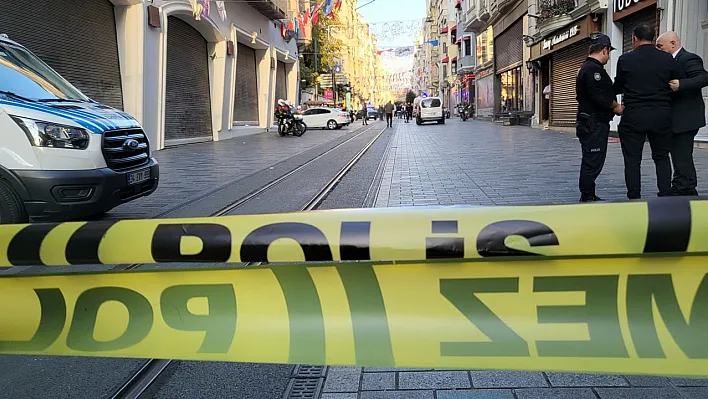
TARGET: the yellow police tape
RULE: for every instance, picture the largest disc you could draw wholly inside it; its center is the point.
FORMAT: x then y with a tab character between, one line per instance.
620	315
664	225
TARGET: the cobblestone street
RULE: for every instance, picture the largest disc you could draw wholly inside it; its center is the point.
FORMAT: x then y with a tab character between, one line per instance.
481	163
486	164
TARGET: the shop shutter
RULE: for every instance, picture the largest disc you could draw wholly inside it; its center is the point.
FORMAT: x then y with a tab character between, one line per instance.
77	38
187	97
281	82
645	16
509	46
246	97
564	71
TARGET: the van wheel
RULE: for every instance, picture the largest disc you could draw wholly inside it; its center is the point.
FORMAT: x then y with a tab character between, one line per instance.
418	122
11	209
442	121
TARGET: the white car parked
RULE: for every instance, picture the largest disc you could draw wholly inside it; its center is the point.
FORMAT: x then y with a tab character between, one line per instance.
329	118
429	109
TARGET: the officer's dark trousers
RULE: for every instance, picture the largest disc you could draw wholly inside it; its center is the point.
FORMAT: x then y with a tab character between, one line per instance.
389	120
593	137
685	181
638	124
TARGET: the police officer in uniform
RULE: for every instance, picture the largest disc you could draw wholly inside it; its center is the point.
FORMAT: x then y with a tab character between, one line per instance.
597	105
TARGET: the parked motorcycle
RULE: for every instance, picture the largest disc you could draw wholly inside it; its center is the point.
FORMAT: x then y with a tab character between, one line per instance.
289	122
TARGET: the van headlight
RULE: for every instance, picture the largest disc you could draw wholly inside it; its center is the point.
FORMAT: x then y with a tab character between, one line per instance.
47	134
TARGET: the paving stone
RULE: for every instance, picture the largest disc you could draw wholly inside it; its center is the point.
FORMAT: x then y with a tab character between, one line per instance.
378	381
342	379
397	395
694	392
638	393
476	394
433	380
555	393
507	379
585	380
647	381
389	369
339	396
689	382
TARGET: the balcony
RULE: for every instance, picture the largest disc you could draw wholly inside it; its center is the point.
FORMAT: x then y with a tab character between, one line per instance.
476	18
555	8
465	64
272	9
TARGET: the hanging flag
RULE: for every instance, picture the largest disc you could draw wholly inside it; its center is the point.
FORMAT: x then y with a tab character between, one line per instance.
301	22
434	42
222	9
327	7
338	5
207	8
290	25
306	17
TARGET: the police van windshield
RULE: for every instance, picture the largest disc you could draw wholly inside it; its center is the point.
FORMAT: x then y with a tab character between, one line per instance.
24	75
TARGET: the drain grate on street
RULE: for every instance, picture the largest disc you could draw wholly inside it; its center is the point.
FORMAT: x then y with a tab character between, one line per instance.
304	388
305	371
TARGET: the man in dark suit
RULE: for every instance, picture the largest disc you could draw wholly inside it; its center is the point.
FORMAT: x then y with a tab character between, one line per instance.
643	77
688	111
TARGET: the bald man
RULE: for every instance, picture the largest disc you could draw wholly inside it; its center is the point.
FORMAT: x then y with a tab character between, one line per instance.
687	112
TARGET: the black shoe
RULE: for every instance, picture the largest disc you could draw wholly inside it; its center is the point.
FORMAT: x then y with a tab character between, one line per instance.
593	198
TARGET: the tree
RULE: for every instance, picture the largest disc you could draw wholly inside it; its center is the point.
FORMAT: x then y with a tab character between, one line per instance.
410	96
325	46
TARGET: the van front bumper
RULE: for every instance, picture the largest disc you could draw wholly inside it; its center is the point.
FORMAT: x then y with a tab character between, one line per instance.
63	195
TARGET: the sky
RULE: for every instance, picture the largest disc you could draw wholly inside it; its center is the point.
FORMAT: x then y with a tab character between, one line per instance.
393	10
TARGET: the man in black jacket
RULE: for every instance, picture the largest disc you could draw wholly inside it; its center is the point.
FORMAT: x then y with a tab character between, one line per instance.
643	77
688	111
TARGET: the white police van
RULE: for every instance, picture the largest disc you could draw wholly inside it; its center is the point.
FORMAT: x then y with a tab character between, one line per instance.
63	156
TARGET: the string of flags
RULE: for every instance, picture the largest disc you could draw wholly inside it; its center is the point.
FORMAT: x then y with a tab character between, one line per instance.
301	20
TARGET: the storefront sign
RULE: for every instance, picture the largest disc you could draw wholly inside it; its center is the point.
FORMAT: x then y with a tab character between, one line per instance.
560	38
483	73
622	8
571	34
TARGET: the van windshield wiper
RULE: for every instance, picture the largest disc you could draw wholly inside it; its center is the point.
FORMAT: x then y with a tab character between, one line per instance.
58	100
17	96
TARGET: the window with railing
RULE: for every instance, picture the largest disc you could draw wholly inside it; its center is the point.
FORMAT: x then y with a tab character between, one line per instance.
554	8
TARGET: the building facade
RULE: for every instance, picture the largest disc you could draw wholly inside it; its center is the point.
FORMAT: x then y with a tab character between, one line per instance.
187	73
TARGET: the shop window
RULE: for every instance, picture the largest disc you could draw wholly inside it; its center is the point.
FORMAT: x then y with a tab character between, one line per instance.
468	47
512	90
453	68
485	46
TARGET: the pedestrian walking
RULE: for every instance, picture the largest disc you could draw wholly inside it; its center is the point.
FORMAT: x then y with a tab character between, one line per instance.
687	112
364	116
597	105
643	77
388	109
381	112
409	112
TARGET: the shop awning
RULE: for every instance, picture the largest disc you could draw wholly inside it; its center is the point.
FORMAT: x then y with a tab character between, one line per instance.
454	59
446	60
468	37
444	30
459	40
458	4
454	28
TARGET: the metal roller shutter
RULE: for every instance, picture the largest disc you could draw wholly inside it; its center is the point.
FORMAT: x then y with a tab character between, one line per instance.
77	38
281	82
509	46
187	97
645	16
246	97
564	71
